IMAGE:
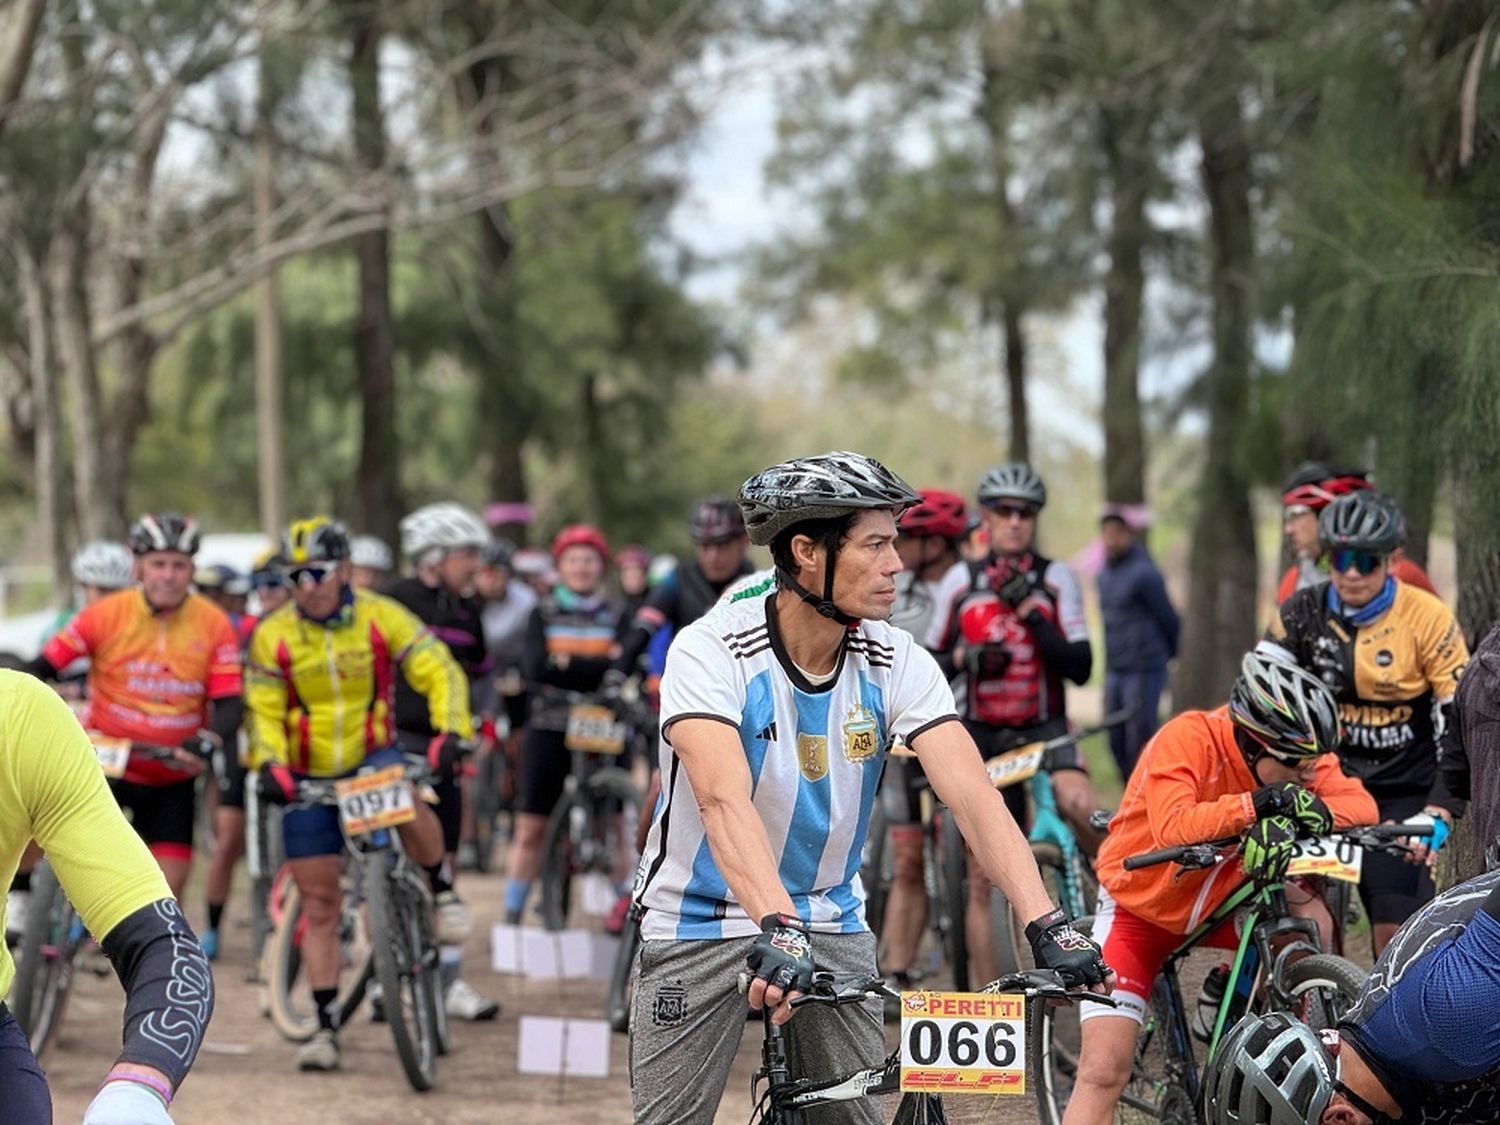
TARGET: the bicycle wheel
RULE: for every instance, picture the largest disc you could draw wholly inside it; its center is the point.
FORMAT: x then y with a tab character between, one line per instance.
44	960
289	999
1324	986
920	1109
872	870
406	970
617	1004
486	792
1077	893
588	833
952	898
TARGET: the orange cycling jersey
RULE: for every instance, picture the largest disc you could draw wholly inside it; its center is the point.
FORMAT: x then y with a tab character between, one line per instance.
151	675
1192	785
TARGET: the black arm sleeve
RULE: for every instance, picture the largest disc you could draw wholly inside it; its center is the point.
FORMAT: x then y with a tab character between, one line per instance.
660	608
228	713
41	668
169	989
1072	660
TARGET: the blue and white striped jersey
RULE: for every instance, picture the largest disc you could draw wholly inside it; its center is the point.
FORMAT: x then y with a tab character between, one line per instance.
815	754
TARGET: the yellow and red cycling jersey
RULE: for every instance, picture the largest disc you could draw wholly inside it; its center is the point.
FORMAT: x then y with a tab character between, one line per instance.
151	675
1190	786
322	696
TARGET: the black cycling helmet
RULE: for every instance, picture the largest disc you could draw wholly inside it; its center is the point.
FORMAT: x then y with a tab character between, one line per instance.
1269	1070
828	486
1365	520
716	520
1284	708
165	532
315	540
1015	480
497	552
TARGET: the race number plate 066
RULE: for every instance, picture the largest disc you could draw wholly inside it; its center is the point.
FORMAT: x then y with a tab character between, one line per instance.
374	800
1333	857
963	1042
114	753
594	730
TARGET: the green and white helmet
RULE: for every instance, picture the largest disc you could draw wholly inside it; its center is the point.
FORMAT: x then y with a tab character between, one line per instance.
1283	707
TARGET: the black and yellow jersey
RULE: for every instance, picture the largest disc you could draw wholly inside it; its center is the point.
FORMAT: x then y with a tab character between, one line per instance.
1389	677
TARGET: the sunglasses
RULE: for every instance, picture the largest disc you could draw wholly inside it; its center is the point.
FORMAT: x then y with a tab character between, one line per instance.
1013	511
1366	562
310	575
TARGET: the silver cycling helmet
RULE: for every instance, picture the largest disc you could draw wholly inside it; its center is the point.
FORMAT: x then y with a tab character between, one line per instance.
103	563
1284	708
1015	480
1365	520
1269	1070
370	552
443	526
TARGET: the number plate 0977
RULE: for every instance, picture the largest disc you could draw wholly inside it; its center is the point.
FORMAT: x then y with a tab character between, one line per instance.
963	1042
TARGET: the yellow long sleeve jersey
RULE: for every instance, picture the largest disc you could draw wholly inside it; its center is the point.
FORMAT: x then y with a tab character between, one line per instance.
323	695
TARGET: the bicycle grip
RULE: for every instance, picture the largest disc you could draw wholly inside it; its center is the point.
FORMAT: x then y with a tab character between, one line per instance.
1151	859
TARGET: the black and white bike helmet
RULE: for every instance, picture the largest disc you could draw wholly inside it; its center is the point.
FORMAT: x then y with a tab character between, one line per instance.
1015	480
104	564
370	552
1365	520
817	488
1269	1070
164	532
444	526
1285	708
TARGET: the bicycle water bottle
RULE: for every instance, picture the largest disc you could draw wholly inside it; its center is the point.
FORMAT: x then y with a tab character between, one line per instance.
1209	998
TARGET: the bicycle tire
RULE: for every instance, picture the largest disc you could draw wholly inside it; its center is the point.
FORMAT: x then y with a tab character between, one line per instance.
44	961
293	1015
953	896
872	873
403	970
920	1109
1325	986
486	791
561	846
617	1003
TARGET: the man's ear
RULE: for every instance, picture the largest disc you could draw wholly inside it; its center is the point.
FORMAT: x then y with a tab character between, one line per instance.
805	552
1342	1113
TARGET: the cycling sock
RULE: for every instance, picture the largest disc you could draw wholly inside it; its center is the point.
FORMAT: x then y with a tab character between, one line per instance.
450	963
516	891
215	914
326	1000
440	877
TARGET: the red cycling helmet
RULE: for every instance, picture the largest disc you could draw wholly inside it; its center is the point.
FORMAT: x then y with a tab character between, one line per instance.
633	554
580	535
1314	485
940	514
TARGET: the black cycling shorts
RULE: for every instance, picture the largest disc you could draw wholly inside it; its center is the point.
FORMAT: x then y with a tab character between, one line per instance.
1392	889
231	776
162	815
545	765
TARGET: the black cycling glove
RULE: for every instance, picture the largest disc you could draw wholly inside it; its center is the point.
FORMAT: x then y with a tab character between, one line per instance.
1056	945
1304	807
782	955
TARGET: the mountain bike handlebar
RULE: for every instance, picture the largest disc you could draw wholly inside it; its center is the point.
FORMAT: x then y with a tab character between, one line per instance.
1376	837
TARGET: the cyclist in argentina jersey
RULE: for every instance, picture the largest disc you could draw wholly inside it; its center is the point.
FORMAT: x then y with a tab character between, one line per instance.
1391	654
443	542
934	576
1421	1046
52	791
777	707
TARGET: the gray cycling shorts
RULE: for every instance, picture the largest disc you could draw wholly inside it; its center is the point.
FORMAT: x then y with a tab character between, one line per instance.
687	1020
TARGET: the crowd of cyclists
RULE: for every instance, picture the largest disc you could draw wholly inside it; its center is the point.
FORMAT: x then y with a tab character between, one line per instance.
890	616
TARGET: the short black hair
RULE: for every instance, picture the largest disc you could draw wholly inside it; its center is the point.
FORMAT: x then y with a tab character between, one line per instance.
1114	517
832	532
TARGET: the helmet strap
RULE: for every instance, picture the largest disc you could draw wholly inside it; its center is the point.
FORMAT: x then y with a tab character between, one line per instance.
823	605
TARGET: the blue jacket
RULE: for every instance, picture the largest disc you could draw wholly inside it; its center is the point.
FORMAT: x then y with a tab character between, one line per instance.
1140	625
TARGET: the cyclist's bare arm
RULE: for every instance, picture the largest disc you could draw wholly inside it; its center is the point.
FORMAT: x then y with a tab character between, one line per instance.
956	771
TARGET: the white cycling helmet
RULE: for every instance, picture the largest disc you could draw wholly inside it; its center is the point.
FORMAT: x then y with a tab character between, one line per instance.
371	553
444	526
103	563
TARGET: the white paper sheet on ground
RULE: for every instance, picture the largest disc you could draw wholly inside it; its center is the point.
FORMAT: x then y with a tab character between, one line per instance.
605	948
541	954
597	896
505	949
586	1049
575	1048
576	948
540	1045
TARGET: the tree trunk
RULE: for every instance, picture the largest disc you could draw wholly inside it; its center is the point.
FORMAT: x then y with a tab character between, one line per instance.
377	487
20	30
1124	445
1408	463
1222	576
268	354
1015	380
51	481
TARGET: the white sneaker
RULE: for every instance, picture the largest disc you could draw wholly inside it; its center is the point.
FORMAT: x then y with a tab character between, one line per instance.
463	1003
376	996
452	918
321	1052
17	908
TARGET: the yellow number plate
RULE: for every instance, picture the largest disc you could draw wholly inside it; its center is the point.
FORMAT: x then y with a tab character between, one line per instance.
114	753
375	800
1331	857
963	1042
594	730
1014	765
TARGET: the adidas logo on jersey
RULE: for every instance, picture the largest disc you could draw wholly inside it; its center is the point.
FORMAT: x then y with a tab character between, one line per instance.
768	735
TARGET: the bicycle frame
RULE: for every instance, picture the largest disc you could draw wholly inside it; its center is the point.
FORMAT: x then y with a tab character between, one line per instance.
1048	827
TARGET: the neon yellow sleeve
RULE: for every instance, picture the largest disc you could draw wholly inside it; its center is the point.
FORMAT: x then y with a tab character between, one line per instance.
265	697
430	668
102	864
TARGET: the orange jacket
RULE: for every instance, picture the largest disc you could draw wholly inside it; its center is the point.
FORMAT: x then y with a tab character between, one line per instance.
1192	785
